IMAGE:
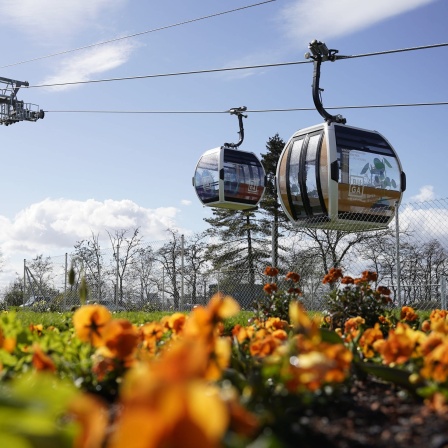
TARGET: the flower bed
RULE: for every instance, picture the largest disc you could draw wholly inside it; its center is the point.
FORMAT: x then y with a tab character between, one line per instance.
361	376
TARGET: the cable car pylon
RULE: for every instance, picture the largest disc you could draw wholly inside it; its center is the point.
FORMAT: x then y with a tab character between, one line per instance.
13	110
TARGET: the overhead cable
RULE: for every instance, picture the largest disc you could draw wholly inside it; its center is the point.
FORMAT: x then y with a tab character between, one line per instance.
227	69
185	22
294	109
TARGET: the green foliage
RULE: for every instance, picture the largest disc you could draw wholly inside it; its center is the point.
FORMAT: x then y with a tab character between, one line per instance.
31	407
354	297
275	305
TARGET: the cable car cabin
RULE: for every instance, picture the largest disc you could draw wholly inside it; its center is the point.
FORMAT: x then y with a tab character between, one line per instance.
229	178
334	176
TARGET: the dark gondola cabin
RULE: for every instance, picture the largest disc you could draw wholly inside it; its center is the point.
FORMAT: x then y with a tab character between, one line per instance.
229	178
334	176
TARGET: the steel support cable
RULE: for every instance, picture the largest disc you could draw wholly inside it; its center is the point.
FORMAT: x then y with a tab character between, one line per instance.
226	69
185	22
294	109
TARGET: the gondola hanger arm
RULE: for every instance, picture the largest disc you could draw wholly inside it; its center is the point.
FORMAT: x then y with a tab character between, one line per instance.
319	53
238	111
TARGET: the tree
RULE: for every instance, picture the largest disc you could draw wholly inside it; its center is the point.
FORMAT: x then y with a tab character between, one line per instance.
273	216
14	293
196	260
142	272
239	243
126	250
169	257
88	253
40	276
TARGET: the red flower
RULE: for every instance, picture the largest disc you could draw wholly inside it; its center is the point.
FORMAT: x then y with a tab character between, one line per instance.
270	288
293	276
270	271
347	280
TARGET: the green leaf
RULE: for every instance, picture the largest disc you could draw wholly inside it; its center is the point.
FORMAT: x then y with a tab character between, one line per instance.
83	291
366	167
387	162
330	336
393	375
378	164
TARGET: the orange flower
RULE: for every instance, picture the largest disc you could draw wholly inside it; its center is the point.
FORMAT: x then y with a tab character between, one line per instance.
36	329
351	327
270	288
89	322
175	322
121	338
41	361
151	333
270	271
368	339
103	367
426	326
408	313
400	345
353	324
436	362
296	291
324	363
263	346
369	276
7	343
294	277
383	290
179	414
333	275
347	280
438	315
276	323
242	333
92	415
223	307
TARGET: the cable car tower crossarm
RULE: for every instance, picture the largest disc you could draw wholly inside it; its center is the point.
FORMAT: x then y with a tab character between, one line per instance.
13	110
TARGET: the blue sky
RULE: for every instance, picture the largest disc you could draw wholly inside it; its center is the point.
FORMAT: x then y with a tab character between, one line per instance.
72	174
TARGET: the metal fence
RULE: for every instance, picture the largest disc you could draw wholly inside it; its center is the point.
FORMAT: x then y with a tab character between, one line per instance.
410	256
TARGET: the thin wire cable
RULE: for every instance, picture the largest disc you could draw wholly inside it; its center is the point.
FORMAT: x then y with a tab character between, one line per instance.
227	69
161	75
295	109
185	22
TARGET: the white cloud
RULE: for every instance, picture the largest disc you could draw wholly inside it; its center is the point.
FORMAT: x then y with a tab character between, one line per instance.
185	202
85	65
305	20
46	19
426	194
55	225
